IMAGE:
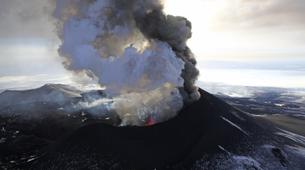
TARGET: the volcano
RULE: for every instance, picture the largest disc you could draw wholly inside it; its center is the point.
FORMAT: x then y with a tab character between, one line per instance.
207	134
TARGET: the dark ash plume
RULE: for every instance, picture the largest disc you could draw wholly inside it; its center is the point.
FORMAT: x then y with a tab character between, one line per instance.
175	31
131	46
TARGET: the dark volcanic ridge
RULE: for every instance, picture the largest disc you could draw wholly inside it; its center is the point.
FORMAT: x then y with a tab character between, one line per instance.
206	134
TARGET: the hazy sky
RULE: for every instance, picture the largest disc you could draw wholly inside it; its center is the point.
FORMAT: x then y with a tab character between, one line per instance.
244	29
243	42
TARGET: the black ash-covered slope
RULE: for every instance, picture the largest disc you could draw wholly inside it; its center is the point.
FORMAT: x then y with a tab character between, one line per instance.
206	127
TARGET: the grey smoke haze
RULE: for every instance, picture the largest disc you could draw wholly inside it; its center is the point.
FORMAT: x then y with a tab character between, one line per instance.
26	19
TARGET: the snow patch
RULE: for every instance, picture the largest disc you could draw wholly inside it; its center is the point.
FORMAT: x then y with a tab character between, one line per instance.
292	136
236	126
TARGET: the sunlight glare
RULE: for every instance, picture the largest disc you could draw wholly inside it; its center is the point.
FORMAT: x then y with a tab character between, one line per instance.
202	14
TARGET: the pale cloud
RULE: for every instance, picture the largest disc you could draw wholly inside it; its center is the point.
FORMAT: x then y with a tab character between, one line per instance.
26	19
32	81
243	29
29	59
252	14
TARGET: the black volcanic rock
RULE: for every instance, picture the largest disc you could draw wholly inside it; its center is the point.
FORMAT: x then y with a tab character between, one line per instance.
206	127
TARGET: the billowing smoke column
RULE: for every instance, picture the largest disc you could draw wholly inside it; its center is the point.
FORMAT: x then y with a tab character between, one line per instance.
133	49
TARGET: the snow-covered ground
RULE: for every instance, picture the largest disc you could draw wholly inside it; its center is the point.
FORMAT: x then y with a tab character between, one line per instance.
261	100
